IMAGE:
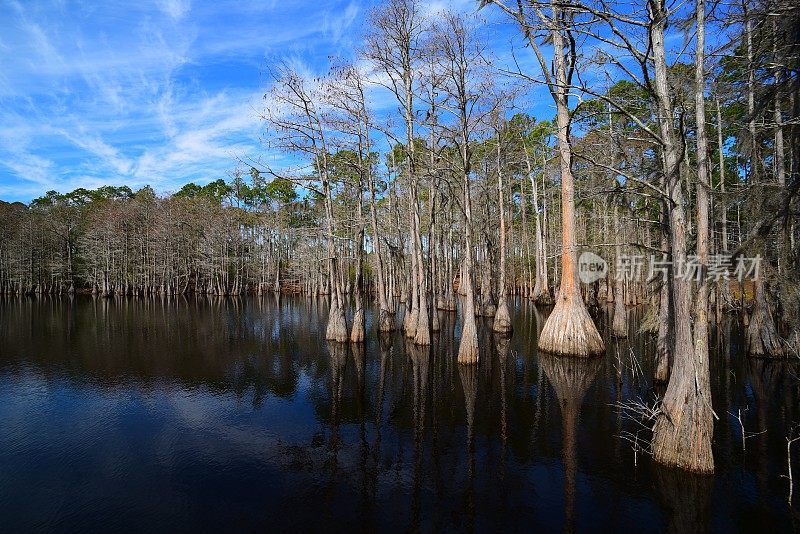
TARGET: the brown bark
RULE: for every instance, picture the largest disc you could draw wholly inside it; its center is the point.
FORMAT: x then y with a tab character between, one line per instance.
664	341
357	332
683	429
762	336
570	329
502	318
723	296
703	186
468	348
619	326
541	291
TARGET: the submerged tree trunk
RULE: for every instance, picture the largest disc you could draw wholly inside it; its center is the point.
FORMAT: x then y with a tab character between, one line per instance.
619	325
762	335
385	315
683	429
422	333
468	348
541	291
703	185
664	342
357	330
723	286
502	318
569	330
432	252
337	323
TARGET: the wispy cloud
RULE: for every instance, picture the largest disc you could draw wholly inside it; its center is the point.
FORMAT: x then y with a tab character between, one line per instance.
175	8
157	92
109	156
337	23
160	93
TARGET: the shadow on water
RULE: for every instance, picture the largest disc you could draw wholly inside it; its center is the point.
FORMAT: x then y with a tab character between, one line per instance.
197	413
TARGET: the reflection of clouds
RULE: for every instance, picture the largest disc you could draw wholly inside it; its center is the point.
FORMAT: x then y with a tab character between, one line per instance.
208	426
177	423
219	419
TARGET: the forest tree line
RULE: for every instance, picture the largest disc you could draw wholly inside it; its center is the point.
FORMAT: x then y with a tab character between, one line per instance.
458	193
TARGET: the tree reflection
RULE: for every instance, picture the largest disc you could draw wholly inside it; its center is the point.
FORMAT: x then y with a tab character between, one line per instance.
502	345
570	378
376	432
469	384
766	377
420	358
338	357
686	498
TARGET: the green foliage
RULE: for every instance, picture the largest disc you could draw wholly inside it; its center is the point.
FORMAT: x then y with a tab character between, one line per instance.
281	191
397	157
190	190
628	97
82	196
214	191
145	194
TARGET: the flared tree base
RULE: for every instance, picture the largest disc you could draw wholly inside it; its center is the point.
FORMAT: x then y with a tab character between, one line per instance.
447	304
661	372
619	327
502	319
542	298
487	310
468	352
570	330
682	436
386	321
357	332
422	336
410	323
337	326
763	340
436	322
649	323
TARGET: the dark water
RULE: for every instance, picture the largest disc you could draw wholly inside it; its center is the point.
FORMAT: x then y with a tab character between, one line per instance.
236	414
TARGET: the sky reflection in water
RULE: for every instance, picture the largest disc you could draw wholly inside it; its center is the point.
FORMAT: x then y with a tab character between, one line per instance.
190	414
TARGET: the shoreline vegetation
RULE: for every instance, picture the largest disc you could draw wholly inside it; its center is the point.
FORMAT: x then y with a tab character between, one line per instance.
459	194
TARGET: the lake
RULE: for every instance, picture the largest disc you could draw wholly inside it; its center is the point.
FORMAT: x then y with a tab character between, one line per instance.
197	413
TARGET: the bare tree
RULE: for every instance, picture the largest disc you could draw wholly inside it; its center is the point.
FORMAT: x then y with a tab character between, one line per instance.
394	46
466	85
298	123
569	329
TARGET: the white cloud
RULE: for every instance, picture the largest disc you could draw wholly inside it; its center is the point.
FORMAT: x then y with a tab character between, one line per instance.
217	129
175	8
109	156
337	24
160	92
31	168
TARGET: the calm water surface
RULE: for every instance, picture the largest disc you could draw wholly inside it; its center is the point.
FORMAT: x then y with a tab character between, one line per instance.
198	414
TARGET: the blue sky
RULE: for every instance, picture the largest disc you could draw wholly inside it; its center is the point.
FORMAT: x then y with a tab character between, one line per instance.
158	92
165	92
154	92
